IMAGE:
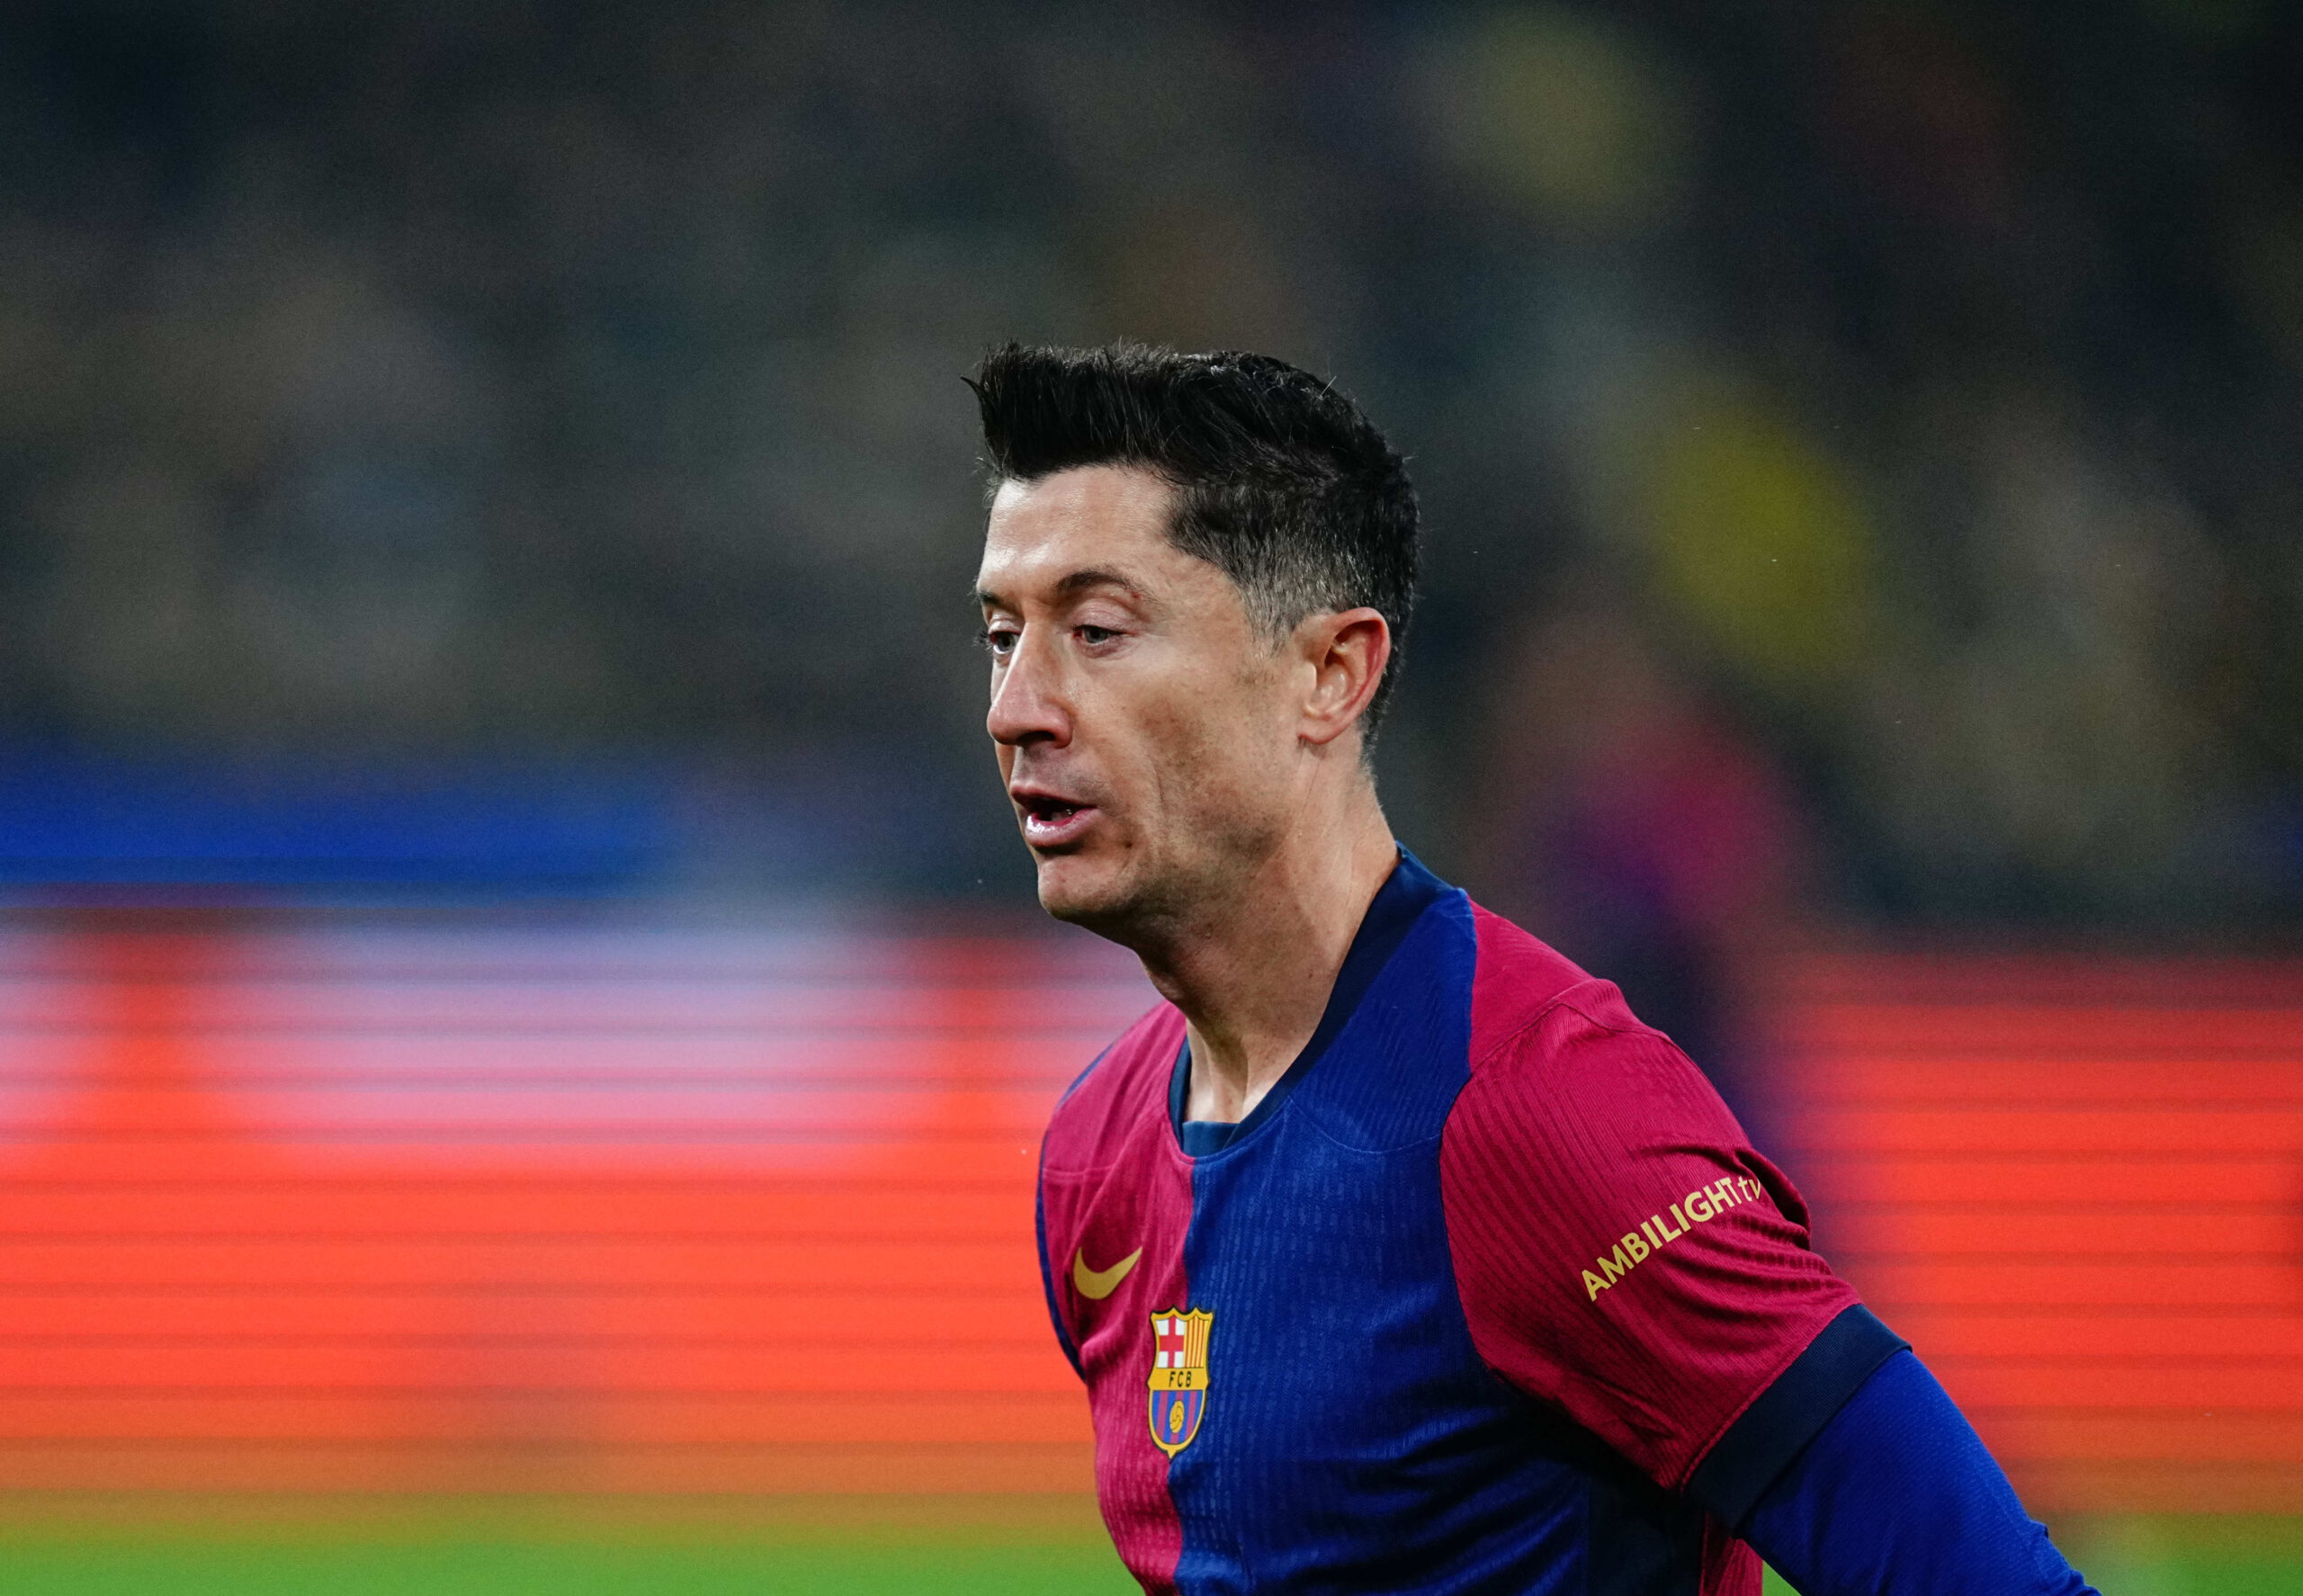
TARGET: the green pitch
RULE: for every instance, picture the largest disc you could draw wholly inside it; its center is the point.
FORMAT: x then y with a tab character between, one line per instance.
2218	1557
832	1546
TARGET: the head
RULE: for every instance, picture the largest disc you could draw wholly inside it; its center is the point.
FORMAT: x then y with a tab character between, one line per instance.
1198	572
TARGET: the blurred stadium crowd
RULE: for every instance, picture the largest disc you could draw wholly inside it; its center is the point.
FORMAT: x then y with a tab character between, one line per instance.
1859	442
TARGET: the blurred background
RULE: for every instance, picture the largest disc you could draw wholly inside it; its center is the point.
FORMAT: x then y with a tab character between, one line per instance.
522	1025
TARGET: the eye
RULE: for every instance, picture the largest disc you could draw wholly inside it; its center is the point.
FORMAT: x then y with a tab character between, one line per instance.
1095	636
999	640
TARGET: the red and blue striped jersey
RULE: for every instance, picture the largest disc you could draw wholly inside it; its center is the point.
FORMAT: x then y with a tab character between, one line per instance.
1488	1293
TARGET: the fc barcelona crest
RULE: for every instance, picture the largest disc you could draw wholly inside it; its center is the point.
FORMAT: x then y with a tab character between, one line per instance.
1179	1376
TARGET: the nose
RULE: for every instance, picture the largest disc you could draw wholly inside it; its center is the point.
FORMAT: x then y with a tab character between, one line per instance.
1027	700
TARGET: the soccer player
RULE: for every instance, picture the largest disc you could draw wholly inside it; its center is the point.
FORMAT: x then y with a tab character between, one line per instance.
1395	1253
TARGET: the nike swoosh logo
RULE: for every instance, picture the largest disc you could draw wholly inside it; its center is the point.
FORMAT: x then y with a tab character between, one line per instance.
1099	1284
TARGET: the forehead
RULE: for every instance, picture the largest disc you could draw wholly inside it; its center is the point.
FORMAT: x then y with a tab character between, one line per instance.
1101	517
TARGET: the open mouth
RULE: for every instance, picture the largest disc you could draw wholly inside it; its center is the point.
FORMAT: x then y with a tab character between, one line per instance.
1050	821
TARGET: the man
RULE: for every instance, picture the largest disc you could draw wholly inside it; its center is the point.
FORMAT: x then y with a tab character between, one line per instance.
1395	1253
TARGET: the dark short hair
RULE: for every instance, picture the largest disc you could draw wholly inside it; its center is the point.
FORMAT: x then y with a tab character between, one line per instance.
1280	481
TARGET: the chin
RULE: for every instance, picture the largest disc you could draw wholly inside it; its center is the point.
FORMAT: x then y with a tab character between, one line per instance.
1084	891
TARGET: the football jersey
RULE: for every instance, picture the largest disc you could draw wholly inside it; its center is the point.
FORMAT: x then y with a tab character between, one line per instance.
1488	1293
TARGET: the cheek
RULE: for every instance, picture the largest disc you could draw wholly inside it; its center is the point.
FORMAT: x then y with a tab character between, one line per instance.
1195	746
1215	763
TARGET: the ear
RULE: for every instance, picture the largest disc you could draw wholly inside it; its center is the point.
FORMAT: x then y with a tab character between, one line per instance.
1347	652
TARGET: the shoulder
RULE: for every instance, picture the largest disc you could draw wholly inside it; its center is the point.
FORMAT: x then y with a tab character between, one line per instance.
1539	1021
1517	981
1581	1092
1127	1085
1541	1027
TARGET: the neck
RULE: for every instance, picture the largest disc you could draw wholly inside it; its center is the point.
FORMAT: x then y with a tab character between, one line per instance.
1252	972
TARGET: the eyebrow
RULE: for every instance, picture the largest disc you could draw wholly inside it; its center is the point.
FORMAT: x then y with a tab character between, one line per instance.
1073	585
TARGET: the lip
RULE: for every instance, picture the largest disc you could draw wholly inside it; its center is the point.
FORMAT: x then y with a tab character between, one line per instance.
1052	820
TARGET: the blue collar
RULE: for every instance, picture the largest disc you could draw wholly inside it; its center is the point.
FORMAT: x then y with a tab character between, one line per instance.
1398	904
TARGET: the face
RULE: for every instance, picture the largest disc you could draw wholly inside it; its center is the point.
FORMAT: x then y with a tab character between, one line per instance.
1146	730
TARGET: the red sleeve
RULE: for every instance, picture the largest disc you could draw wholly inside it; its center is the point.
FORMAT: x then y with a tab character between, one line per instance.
1622	1253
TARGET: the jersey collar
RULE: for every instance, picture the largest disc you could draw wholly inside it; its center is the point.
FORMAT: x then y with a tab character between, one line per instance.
1397	905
